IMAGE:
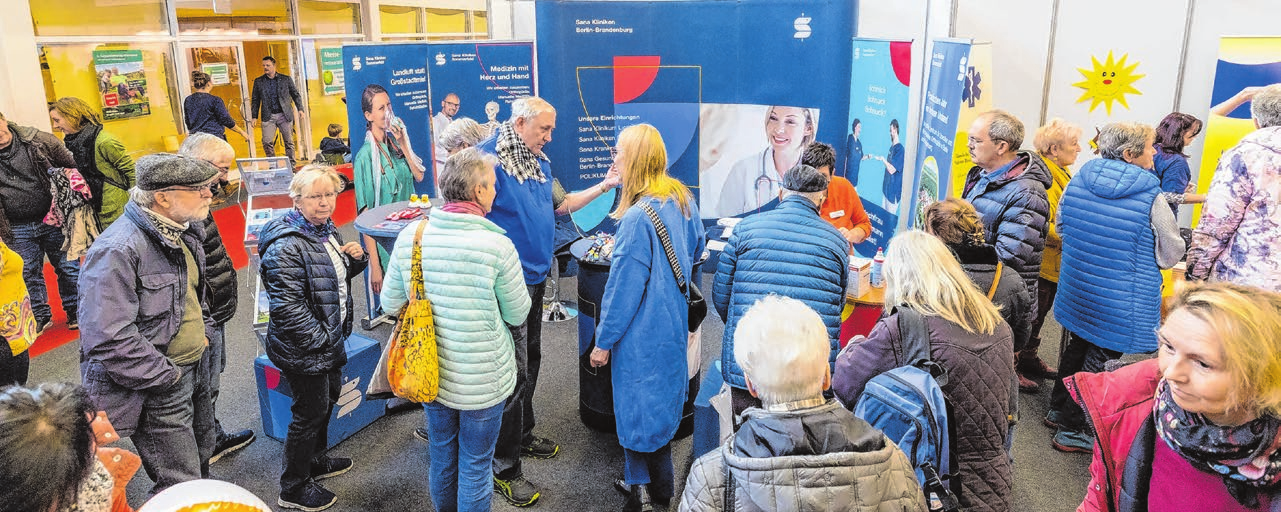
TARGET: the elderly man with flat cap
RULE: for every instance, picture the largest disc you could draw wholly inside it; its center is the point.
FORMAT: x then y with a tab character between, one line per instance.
144	334
789	251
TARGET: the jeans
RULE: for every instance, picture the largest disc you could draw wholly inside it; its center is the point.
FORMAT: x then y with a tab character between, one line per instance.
13	369
283	124
308	437
208	379
518	412
34	241
654	469
165	438
462	449
1078	355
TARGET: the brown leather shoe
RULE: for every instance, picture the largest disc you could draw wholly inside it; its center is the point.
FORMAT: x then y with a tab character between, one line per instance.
1028	386
1034	367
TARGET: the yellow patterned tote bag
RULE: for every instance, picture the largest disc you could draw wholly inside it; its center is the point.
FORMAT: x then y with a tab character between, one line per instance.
413	368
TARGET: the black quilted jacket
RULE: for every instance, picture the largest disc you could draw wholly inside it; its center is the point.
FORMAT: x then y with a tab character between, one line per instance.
980	369
307	329
220	274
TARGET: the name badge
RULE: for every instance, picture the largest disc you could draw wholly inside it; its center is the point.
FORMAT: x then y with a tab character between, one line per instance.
837	214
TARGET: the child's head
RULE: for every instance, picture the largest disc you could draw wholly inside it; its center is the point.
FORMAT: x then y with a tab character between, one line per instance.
335	129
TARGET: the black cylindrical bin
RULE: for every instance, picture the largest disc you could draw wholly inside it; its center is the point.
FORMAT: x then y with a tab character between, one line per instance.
595	387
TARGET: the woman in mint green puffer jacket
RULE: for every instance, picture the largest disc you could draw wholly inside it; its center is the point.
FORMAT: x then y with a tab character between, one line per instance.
473	277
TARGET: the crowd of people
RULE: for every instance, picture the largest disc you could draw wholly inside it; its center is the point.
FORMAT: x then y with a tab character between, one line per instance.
1196	427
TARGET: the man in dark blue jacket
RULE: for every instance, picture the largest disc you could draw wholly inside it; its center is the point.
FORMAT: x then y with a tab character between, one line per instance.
1007	187
789	251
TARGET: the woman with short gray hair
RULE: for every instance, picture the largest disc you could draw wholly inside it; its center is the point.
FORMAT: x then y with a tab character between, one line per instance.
1118	233
471	273
460	134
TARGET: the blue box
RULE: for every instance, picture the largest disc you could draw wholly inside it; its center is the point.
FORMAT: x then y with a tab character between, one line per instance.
351	413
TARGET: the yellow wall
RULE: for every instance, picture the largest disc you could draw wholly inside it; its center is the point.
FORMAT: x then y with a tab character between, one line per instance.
324	109
446	21
398	20
328	17
71	73
95	17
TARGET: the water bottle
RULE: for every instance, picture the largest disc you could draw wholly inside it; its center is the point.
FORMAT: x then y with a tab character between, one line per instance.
878	262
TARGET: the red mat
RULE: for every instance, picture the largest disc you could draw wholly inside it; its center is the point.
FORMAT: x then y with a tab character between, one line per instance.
231	224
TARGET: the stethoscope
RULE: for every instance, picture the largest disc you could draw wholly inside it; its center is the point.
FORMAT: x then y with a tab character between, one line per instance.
764	179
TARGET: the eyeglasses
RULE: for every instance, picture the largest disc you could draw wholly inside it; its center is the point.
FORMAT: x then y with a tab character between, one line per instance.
451	104
204	191
317	197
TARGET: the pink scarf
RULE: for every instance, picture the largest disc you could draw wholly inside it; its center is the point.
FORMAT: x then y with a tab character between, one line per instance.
471	207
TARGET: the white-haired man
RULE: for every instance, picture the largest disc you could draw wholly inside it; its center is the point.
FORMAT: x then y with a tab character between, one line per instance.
220	273
1239	237
527	202
799	450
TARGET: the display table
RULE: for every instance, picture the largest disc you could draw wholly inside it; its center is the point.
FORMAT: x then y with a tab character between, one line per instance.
373	223
861	314
595	385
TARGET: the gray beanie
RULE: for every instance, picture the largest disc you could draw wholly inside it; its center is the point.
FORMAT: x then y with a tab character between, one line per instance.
164	170
804	178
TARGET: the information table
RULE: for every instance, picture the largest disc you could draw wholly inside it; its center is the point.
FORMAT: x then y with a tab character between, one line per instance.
373	223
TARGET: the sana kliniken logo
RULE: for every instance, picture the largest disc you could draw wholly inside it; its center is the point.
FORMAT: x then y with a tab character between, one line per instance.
440	59
802	26
355	64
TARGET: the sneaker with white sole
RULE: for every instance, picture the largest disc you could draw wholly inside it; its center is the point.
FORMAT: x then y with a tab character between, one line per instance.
329	467
230	442
311	498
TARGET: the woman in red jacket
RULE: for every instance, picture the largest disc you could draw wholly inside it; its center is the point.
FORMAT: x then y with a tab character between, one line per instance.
1199	427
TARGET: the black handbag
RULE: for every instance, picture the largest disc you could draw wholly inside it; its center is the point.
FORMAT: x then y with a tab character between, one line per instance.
693	296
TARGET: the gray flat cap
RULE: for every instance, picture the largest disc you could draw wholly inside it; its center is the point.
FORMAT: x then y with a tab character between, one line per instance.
164	170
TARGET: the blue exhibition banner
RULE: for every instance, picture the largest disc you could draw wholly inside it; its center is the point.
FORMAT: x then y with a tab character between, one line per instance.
943	95
387	114
872	156
477	81
734	115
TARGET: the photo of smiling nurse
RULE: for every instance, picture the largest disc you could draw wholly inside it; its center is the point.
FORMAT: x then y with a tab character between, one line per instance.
754	182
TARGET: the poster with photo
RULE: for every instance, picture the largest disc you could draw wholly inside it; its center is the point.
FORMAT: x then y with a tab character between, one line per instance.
744	151
872	157
122	81
331	72
477	81
948	65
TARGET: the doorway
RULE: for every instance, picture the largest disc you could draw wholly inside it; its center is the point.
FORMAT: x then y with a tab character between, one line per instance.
225	64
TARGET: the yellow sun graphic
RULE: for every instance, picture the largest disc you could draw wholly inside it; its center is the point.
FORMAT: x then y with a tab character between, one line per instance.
1108	82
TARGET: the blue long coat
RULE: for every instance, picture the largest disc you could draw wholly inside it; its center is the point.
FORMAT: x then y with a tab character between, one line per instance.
644	324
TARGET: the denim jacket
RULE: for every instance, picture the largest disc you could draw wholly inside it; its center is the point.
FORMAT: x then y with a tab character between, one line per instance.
133	283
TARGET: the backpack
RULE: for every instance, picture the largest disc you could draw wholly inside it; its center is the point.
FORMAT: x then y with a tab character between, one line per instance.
908	405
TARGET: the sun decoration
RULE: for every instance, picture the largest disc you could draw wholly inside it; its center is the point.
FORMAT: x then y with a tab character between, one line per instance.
1108	82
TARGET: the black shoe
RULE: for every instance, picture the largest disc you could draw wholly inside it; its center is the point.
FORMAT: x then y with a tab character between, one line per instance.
639	499
230	442
621	486
421	434
328	467
311	498
517	491
540	448
44	325
73	325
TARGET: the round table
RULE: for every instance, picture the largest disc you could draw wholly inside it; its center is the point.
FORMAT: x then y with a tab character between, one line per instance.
374	224
595	385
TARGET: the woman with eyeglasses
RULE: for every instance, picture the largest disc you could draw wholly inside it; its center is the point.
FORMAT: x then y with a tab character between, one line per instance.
100	157
307	271
1199	427
754	182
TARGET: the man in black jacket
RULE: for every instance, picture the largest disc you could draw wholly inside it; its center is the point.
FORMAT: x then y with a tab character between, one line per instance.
26	155
271	98
221	276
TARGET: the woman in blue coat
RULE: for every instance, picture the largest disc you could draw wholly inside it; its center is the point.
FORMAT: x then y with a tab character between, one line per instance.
644	315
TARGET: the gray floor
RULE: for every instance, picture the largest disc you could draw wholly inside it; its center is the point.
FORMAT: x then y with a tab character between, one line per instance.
391	465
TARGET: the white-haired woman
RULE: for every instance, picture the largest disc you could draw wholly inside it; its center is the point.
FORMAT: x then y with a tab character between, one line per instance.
968	338
460	134
782	346
472	275
307	271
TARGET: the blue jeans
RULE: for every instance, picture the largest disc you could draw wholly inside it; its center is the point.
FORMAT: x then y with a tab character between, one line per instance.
653	468
206	393
34	241
164	436
462	449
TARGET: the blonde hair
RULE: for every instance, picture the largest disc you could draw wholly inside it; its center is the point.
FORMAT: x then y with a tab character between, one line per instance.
1056	132
306	177
643	162
811	124
1247	323
782	346
76	112
920	272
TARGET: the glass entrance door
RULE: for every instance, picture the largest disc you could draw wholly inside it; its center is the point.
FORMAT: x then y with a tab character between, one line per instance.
225	64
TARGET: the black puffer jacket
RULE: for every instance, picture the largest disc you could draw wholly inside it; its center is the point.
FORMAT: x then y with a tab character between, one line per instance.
1017	307
1014	209
220	274
305	333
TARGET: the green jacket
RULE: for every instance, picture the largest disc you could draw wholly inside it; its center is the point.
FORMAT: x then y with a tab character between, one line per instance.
116	164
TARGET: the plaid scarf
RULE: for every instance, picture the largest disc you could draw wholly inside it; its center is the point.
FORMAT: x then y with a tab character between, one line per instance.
172	231
517	159
1246	456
